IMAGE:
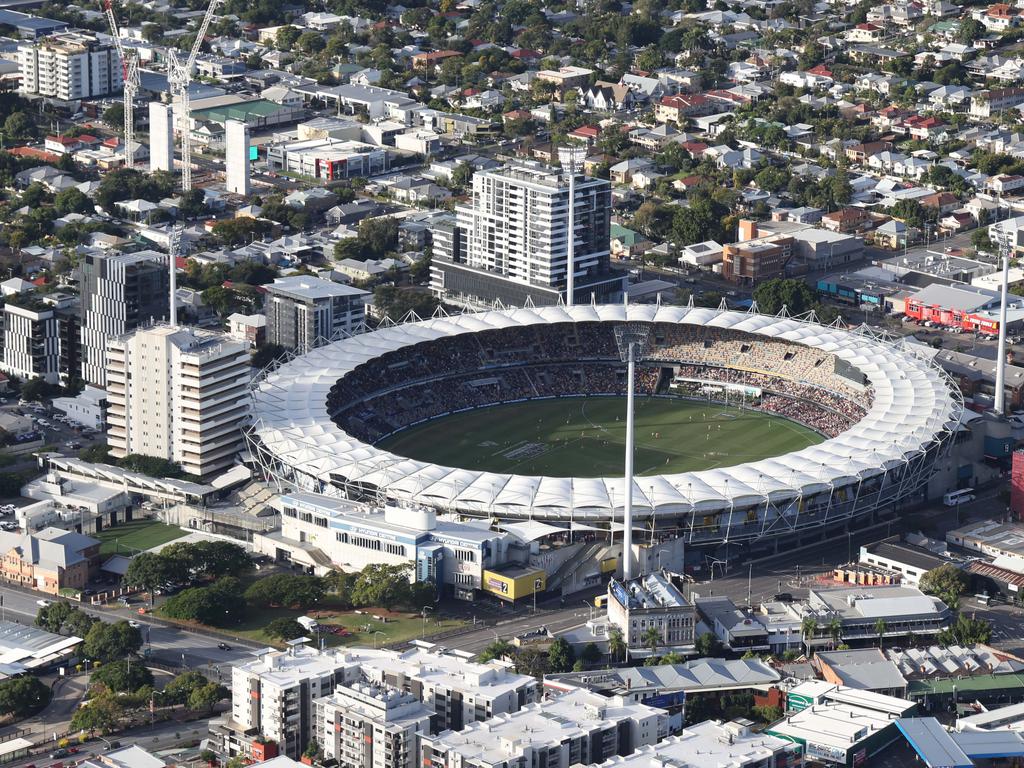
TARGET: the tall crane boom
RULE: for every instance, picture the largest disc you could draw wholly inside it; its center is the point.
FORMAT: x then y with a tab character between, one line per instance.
131	80
179	76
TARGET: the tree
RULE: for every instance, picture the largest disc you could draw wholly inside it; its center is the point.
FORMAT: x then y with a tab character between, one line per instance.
64	618
147	571
966	631
499	649
880	628
192	204
947	582
590	654
616	644
110	642
835	631
181	687
971	30
72	200
708	646
396	302
286	37
384	585
123	676
287	590
310	43
23	696
218	605
285	629
530	661
101	712
561	655
205	698
19	125
651	638
795	295
378	236
232	232
808	628
980	239
113	116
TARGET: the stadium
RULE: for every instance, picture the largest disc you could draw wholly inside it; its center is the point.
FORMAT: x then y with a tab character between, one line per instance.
759	426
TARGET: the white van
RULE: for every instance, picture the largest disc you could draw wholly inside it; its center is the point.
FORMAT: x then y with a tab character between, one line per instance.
962	496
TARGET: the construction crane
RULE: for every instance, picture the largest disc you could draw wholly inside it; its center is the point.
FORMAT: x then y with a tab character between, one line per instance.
179	77
132	82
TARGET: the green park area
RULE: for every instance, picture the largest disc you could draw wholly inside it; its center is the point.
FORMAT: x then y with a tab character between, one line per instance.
136	536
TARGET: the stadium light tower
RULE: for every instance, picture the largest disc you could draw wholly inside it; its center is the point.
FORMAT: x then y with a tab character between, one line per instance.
1001	348
631	339
571	159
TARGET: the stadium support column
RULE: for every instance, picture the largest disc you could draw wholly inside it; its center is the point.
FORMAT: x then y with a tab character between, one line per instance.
631	339
571	158
1001	348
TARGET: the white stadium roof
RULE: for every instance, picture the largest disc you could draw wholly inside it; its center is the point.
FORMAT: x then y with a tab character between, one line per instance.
914	404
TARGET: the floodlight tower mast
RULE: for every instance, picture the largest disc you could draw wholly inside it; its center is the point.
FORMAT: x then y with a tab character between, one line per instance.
1000	403
631	339
132	81
179	77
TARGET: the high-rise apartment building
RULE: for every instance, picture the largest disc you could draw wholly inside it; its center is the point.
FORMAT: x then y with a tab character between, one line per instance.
511	242
371	726
276	697
303	312
69	66
39	337
178	394
119	293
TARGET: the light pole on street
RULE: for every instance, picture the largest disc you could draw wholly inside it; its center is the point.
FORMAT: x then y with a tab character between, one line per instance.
423	613
377	632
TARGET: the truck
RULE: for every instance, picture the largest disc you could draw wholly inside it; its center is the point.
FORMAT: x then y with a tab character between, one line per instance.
308	624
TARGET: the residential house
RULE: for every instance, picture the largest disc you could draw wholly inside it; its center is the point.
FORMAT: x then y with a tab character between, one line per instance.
846	221
608	97
622	173
676	109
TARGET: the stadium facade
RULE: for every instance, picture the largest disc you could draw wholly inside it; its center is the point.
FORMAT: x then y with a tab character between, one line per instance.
886	410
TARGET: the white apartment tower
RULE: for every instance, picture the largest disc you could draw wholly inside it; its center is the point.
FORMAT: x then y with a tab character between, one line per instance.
371	726
178	394
69	66
236	156
511	242
161	136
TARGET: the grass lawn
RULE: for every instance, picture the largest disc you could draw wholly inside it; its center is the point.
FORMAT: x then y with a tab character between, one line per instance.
399	627
135	536
585	437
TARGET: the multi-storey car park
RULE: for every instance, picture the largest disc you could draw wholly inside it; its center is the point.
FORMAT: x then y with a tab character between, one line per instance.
884	414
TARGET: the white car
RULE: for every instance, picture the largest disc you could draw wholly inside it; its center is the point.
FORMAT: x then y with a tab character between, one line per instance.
44	603
133	623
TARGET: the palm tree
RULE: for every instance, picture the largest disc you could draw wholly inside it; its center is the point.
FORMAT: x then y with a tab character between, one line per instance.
652	638
809	626
880	627
616	645
835	629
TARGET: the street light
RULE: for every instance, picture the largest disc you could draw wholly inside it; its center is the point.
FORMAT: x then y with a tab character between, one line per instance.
377	632
423	613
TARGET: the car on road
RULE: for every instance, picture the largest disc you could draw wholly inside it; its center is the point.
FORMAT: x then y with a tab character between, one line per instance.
58	754
133	623
44	603
224	646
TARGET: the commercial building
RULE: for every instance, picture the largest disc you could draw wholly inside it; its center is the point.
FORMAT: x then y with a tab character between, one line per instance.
838	725
161	136
510	243
713	744
670	686
119	292
962	306
900	611
272	697
30	649
48	561
236	156
864	669
326	533
751	259
328	159
909	561
651	602
69	66
738	629
371	726
304	312
178	394
88	408
991	538
577	728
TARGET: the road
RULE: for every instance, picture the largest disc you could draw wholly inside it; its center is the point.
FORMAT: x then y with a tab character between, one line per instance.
166	644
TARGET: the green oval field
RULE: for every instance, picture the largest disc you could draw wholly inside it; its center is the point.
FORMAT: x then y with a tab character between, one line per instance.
585	437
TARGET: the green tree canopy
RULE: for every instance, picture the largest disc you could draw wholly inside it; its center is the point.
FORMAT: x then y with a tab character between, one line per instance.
286	590
947	582
795	295
708	646
23	696
123	676
383	585
285	629
72	200
561	655
110	642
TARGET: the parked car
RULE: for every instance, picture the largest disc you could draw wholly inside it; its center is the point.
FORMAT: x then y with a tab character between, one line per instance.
44	603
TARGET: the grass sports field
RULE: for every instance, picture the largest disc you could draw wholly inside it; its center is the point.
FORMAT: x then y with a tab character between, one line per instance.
585	437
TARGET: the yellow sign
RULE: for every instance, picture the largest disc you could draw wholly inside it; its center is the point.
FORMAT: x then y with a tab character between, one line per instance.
514	584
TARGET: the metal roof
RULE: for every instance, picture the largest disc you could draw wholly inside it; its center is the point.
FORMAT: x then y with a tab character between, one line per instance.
914	405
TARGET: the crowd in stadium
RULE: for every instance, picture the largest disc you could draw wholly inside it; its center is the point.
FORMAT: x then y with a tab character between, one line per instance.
434	378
